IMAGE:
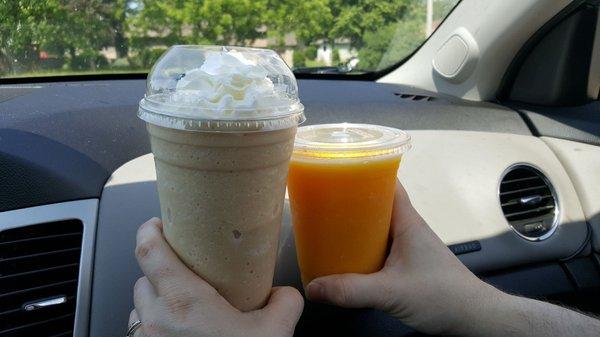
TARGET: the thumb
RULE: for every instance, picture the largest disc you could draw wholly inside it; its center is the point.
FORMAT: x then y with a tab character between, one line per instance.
348	290
285	305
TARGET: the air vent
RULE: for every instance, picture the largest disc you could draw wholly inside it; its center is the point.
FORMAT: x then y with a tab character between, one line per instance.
413	97
529	202
39	269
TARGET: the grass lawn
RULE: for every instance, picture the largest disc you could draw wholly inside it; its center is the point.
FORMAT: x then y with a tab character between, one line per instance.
315	63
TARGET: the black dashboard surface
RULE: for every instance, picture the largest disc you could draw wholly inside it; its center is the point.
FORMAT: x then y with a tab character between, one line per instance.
61	141
577	123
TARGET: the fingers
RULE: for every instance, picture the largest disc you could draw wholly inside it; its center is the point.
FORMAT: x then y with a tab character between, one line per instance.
285	306
285	302
143	296
403	213
349	290
157	260
400	195
133	316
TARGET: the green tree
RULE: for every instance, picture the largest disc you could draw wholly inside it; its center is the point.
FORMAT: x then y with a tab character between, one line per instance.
207	22
154	22
19	33
227	21
309	20
116	13
55	26
353	18
441	8
299	58
335	56
311	52
391	43
74	31
78	27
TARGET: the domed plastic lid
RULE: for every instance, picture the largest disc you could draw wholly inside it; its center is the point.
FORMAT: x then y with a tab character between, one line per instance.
217	88
347	140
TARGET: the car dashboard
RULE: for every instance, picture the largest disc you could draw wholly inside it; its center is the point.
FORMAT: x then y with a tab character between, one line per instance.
77	151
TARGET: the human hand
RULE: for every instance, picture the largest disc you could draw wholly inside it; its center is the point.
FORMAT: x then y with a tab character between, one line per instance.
422	283
172	301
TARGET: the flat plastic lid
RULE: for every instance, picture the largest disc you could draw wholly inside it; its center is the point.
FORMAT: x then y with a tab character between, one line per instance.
346	140
220	88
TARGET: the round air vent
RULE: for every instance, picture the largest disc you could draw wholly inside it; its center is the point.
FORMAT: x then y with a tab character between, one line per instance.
529	202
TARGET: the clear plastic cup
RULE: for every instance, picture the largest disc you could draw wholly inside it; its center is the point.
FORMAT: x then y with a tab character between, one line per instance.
179	90
341	188
222	122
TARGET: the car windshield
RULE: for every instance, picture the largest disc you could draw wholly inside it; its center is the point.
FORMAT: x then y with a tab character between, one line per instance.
77	37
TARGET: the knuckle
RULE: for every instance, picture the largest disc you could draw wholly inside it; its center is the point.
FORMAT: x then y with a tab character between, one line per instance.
145	247
132	316
281	325
287	326
162	272
152	328
343	292
388	296
138	288
138	284
179	303
297	298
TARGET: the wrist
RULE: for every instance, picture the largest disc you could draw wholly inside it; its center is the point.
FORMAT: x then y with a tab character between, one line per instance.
477	310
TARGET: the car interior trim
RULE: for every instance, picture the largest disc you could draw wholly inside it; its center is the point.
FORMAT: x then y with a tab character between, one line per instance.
556	71
521	55
594	75
85	211
544	177
458	201
68	149
582	162
499	37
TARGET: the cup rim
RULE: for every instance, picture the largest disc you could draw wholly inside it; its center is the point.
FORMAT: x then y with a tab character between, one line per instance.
391	142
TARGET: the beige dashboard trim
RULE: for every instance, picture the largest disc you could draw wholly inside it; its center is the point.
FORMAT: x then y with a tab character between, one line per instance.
582	162
452	178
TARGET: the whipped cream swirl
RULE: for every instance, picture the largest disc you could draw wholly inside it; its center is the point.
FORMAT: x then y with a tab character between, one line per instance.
229	83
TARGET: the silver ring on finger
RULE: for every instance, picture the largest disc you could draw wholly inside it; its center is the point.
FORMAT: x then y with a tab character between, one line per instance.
133	328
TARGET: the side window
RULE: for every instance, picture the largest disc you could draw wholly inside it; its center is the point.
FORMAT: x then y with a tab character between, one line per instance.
559	65
594	85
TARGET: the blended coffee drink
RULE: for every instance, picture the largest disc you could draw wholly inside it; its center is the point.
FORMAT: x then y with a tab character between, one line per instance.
222	122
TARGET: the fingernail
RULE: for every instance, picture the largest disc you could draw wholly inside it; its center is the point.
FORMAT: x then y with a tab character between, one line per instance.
314	291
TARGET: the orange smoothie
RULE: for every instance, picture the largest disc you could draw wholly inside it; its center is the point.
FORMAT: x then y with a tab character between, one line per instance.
341	197
341	213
